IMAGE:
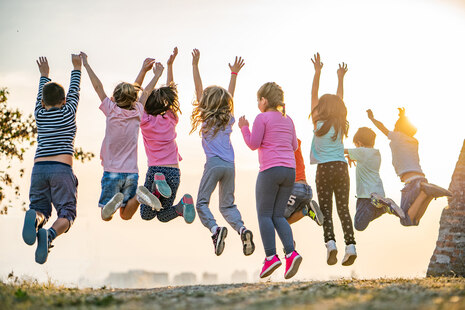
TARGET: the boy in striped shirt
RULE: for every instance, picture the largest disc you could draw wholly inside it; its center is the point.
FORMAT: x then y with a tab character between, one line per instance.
52	179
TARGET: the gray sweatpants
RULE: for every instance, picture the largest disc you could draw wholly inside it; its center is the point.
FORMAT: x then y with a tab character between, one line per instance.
274	186
218	171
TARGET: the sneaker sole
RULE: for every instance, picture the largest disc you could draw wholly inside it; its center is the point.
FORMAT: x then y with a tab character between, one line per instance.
188	209
319	215
434	190
161	186
112	206
220	242
42	246
332	259
270	270
294	267
349	260
29	228
145	197
247	240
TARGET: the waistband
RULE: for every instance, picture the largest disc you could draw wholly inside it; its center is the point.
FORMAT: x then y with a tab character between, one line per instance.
50	162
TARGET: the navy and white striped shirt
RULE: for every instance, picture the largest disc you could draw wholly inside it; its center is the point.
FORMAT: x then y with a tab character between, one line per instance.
56	127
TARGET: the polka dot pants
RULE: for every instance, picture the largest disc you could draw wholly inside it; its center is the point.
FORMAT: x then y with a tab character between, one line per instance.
333	178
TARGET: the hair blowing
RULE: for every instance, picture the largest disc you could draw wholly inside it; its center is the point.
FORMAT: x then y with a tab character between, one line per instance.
213	111
274	94
163	99
333	112
125	94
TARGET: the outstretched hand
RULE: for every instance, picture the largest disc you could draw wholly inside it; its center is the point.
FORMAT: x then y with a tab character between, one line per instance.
237	66
243	122
148	63
370	114
43	66
342	70
317	62
195	57
158	69
172	57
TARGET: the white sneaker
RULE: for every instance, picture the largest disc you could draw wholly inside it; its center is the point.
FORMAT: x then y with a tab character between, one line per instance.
350	256
144	196
110	208
332	252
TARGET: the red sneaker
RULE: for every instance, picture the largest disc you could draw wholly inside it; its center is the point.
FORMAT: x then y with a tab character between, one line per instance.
269	266
292	264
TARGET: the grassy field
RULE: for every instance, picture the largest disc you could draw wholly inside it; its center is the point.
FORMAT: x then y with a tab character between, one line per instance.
425	293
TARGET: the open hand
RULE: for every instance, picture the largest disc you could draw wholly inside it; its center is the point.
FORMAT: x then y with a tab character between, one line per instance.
342	70
172	57
243	122
148	63
351	161
317	62
43	66
370	114
237	66
158	69
195	57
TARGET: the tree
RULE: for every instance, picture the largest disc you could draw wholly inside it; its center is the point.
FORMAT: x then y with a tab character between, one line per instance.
17	134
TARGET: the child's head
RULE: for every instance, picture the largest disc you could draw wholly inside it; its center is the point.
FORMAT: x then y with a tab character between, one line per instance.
333	112
125	95
271	97
364	137
403	124
214	110
53	95
163	99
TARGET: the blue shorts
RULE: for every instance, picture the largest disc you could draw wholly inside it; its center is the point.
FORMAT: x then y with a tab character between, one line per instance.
300	196
54	183
118	182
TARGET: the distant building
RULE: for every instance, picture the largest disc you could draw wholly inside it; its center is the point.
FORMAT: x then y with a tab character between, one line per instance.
185	278
209	278
239	276
136	279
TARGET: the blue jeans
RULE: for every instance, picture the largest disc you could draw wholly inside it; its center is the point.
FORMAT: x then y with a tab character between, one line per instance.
301	194
117	182
366	213
410	193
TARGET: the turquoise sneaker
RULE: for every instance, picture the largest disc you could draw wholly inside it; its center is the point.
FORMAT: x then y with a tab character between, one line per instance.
160	185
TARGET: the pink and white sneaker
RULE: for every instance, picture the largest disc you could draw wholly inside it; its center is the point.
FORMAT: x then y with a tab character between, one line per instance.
292	265
269	266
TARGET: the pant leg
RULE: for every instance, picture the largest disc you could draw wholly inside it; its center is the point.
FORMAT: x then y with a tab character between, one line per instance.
324	188
210	178
63	187
286	177
365	213
40	196
341	192
146	212
228	209
410	192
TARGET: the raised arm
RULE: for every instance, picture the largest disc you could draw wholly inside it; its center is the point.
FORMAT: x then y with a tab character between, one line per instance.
377	123
169	63
340	79
147	65
44	72
93	78
195	69
158	71
235	68
316	84
72	99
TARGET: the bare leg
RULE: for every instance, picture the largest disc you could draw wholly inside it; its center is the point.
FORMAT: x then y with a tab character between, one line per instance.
61	225
296	216
418	207
128	211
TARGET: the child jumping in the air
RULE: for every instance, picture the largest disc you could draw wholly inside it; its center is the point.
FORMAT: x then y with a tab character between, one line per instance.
123	113
213	112
273	134
368	181
329	117
158	128
300	202
52	179
417	192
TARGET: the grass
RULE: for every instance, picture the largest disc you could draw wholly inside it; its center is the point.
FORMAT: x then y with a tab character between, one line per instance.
424	293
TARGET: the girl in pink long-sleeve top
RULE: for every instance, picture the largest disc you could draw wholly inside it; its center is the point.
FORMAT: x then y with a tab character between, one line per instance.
273	134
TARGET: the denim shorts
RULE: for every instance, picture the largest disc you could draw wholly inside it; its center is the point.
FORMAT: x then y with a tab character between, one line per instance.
118	182
301	195
410	193
54	183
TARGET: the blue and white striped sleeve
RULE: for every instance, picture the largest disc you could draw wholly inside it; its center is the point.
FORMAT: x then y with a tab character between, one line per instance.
72	99
42	82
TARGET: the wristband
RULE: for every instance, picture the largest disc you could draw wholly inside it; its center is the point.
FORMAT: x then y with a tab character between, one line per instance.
234	73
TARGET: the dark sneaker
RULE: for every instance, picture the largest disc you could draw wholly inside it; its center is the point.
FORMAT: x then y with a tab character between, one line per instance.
434	190
30	227
160	185
248	247
188	209
314	212
218	239
387	204
112	206
44	244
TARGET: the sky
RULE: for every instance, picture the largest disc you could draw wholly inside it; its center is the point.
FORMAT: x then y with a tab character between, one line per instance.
399	54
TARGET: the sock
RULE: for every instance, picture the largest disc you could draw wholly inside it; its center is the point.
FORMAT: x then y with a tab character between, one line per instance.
268	258
213	229
241	230
288	255
52	233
